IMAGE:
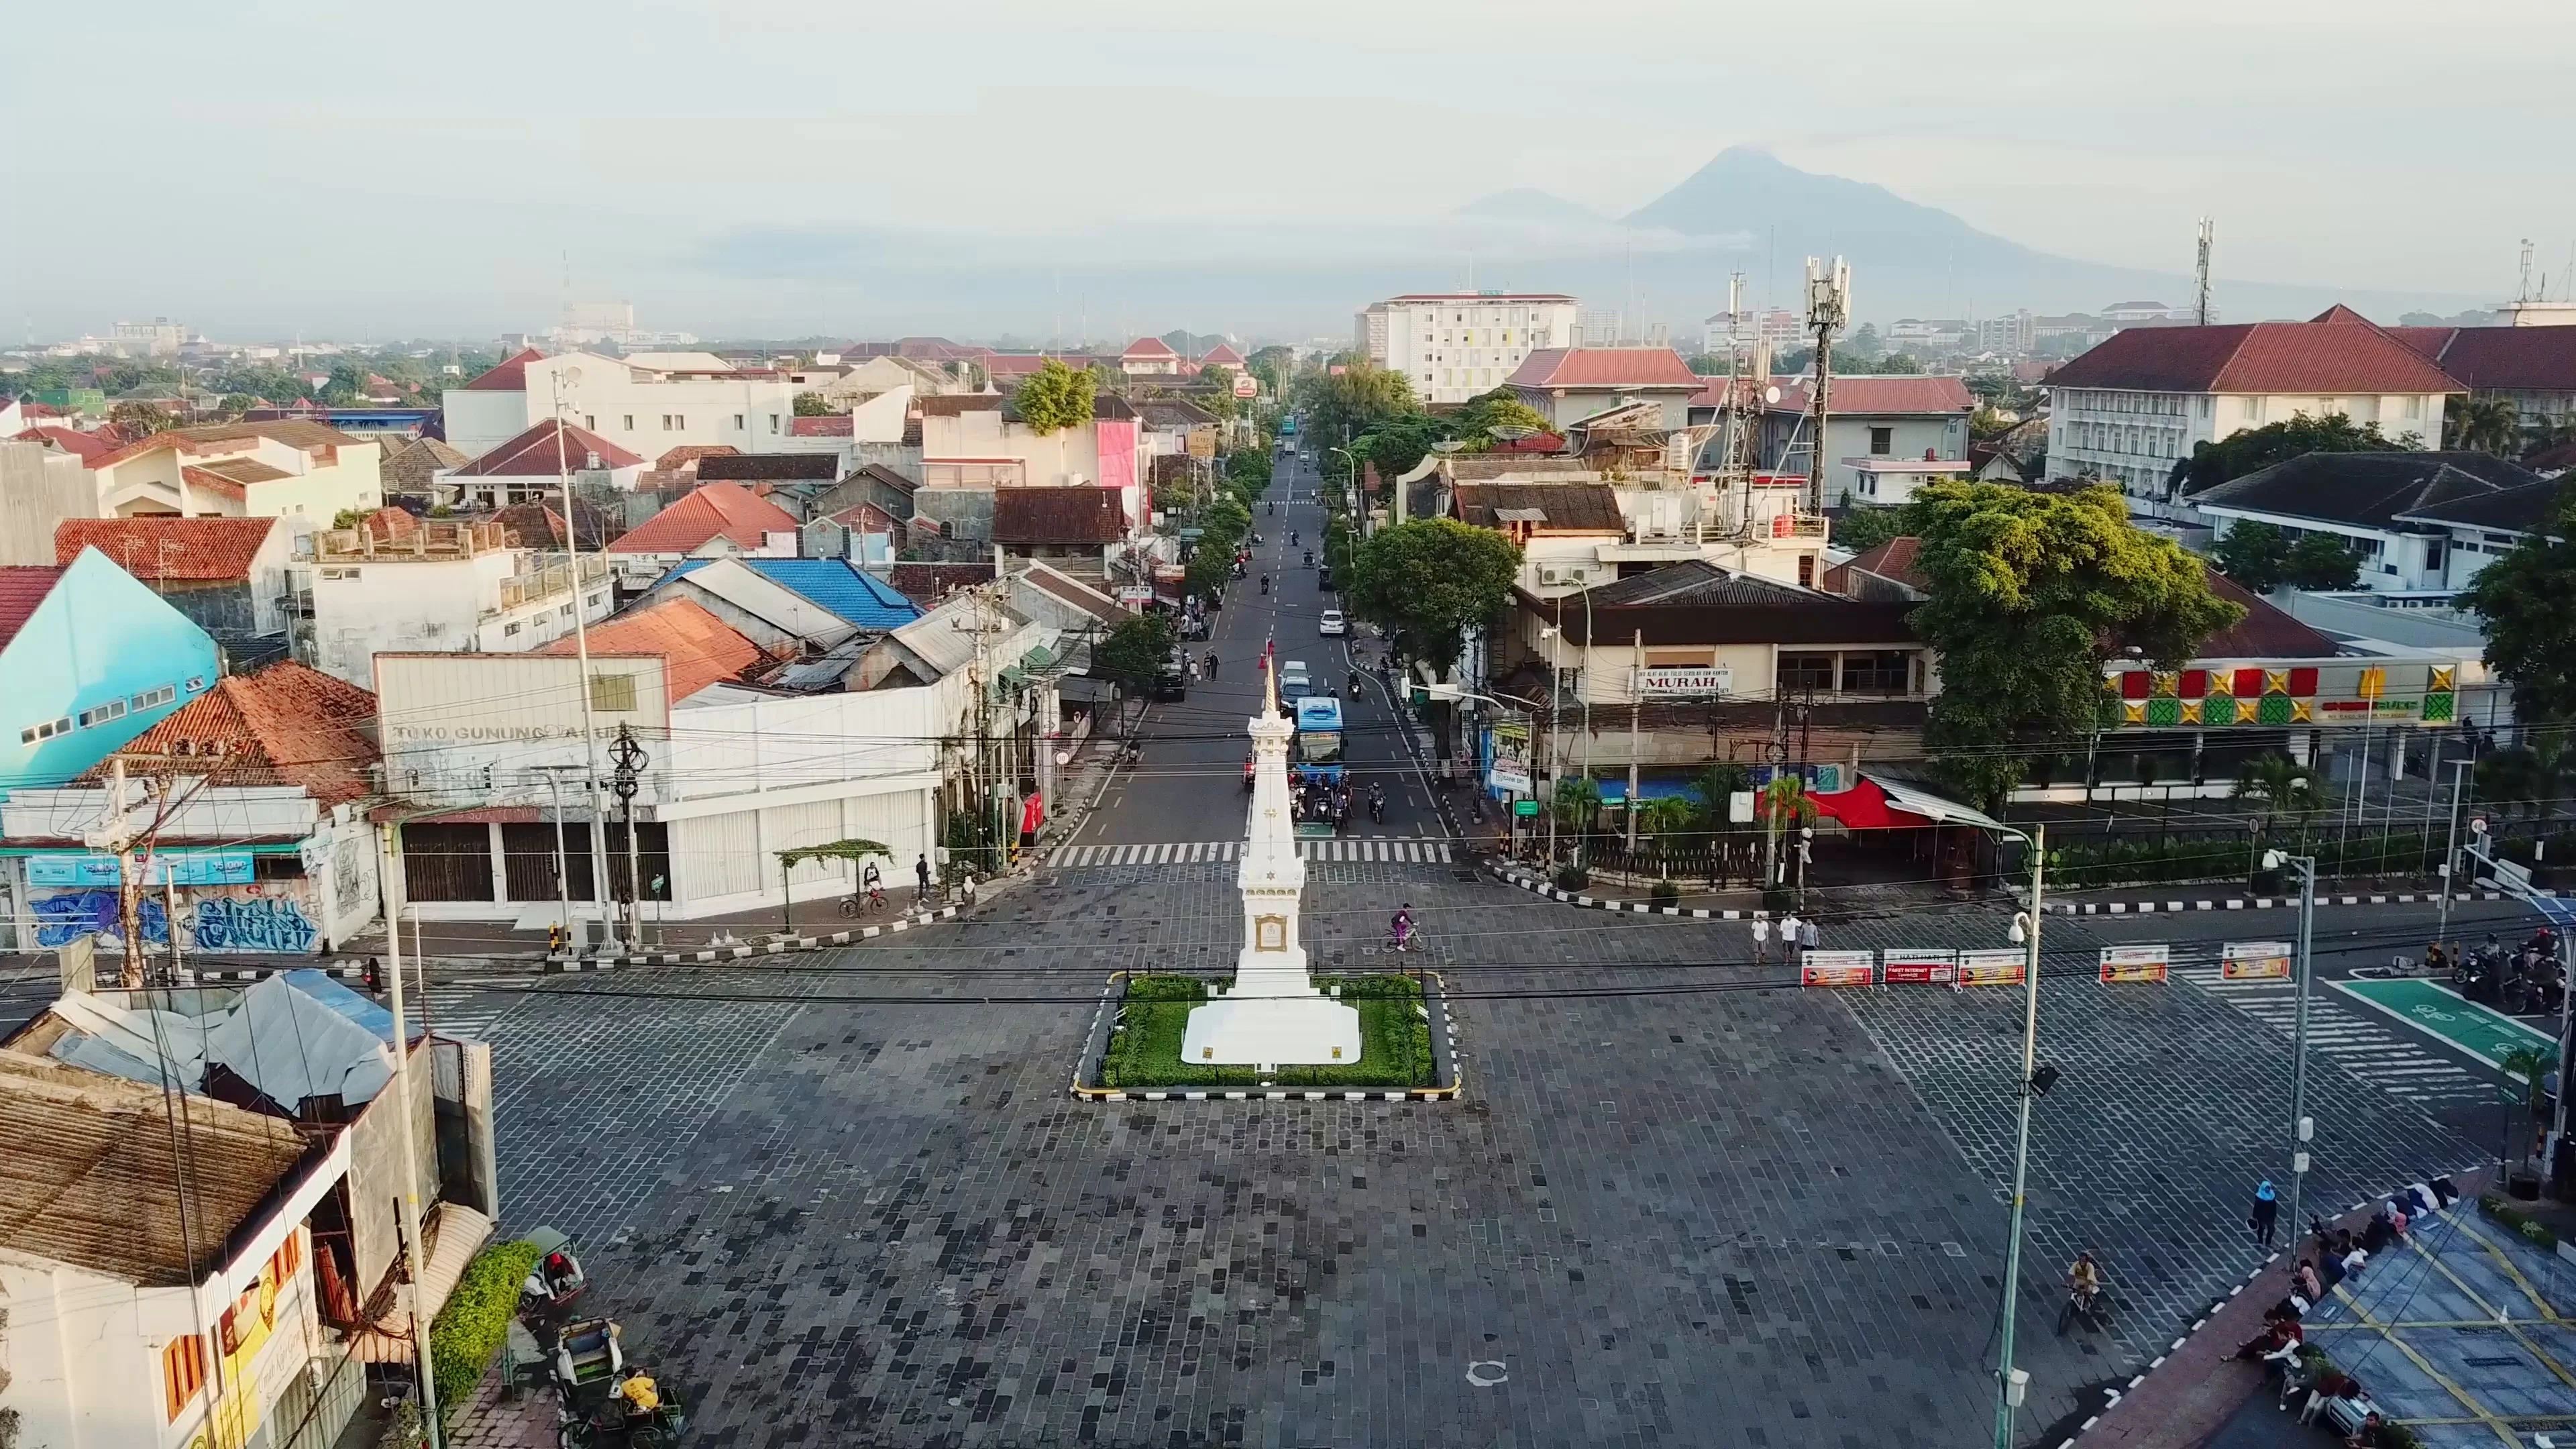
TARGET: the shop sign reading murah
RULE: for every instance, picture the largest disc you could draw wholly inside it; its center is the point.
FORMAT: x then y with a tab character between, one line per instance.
1684	681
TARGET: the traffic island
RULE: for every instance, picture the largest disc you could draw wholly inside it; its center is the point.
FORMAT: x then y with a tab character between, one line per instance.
1133	1051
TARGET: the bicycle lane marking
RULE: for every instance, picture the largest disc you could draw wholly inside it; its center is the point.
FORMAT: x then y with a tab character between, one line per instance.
2478	1031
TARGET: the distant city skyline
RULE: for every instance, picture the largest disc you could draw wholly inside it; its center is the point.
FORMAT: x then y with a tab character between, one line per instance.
380	175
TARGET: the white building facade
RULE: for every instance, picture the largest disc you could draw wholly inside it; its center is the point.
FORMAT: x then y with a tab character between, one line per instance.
645	410
462	588
1455	345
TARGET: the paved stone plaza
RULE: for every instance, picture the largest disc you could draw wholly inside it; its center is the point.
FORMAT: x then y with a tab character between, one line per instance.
1696	1213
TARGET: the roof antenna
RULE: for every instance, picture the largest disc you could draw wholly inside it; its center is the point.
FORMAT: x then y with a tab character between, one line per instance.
2200	274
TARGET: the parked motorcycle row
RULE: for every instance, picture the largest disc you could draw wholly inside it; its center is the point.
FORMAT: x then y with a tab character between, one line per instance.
2529	978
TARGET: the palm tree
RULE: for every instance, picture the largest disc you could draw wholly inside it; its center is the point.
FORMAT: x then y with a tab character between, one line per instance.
1657	819
2528	1065
2489	424
2528	779
2283	785
1717	784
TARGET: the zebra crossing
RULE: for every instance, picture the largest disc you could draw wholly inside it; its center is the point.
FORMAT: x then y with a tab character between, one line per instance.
1188	852
2391	1060
464	1008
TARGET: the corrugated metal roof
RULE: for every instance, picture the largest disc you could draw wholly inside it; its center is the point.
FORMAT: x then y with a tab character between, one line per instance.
835	584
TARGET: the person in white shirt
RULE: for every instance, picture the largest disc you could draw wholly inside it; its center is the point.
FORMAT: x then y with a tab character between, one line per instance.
1789	939
1761	939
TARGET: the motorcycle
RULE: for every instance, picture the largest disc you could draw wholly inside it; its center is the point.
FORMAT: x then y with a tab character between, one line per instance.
1377	808
1247	774
1355	686
1265	583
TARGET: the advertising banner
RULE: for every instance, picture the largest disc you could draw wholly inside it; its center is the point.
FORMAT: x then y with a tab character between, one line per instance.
194	867
1838	968
2254	961
1683	682
1918	968
1510	770
2136	963
2007	966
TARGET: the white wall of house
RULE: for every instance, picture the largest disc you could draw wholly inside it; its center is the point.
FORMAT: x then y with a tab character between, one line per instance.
1456	346
315	490
2134	438
2391	561
643	411
1069	456
500	602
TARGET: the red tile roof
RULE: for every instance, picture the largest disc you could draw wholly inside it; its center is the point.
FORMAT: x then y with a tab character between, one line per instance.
21	591
88	447
199	550
1058	515
1147	349
838	425
510	376
712	509
1605	367
2338	353
697	648
215	483
2501	359
1894	559
535	453
302	434
1870	395
287	724
689	453
1221	356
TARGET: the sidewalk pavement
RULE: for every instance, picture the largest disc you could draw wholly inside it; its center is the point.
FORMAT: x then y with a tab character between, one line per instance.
2190	1392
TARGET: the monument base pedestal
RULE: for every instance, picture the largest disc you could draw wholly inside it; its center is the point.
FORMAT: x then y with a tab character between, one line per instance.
1303	1031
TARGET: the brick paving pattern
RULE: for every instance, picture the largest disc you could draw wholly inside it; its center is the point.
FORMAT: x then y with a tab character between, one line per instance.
1701	1212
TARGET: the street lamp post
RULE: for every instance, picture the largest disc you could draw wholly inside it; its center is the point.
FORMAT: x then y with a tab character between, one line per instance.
2012	1384
2301	1129
2451	856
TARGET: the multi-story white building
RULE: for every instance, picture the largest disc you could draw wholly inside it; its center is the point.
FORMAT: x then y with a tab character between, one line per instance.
395	584
1455	345
284	469
2132	408
649	410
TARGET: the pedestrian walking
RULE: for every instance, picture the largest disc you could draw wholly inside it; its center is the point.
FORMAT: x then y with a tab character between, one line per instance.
1761	938
2267	1213
1806	937
921	875
1789	938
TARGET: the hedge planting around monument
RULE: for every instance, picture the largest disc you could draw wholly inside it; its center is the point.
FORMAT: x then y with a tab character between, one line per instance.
1145	1050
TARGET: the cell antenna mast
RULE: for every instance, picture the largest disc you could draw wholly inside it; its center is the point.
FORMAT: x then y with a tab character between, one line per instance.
1828	308
2200	274
2522	293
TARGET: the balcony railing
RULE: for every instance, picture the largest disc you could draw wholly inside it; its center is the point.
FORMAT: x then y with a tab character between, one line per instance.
539	585
1798	525
427	538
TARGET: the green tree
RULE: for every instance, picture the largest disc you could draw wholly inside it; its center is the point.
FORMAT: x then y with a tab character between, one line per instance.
1904	362
812	405
1474	423
1427	583
2528	600
2238	454
1862	527
139	419
1716	784
2321	561
2488	423
2255	555
1054	398
2029	594
2528	779
1355	398
1135	652
1866	341
2283	787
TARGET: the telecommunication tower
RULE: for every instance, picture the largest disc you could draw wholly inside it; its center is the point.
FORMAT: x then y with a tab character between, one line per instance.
2200	273
1828	309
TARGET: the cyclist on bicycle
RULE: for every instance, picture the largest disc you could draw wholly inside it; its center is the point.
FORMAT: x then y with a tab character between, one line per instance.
1402	927
2084	1282
872	884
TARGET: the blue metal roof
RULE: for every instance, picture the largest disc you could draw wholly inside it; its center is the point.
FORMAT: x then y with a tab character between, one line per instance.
834	584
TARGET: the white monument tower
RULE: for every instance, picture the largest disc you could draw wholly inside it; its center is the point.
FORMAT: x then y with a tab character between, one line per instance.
1273	1016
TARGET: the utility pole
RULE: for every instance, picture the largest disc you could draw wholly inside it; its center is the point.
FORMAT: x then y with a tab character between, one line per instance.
390	892
2012	1384
581	647
2200	275
1828	309
1636	707
2450	860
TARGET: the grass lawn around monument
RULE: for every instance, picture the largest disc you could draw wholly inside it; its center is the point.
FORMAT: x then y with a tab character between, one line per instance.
1145	1050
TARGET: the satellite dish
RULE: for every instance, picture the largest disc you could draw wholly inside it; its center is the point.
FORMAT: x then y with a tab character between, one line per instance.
1771	393
573	374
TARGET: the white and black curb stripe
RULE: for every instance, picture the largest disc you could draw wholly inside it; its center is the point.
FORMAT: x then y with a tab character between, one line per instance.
2262	903
190	976
782	947
1536	886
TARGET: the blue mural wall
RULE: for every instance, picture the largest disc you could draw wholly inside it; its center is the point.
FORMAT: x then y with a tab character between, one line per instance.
88	672
218	920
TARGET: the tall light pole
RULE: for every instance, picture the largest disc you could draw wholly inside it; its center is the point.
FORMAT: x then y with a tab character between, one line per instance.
2301	1129
2451	855
2012	1384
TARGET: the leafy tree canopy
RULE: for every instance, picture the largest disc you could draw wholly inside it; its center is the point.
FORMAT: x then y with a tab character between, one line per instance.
811	405
1862	528
2254	449
1429	581
1134	653
2489	424
2528	599
2255	555
2322	561
2029	593
1054	397
1357	398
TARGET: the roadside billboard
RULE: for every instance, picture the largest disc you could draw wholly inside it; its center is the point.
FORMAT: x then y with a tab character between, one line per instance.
2005	966
2254	961
1918	968
2136	963
1838	968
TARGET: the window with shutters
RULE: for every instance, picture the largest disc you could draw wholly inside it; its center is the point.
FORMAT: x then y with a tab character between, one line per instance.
613	692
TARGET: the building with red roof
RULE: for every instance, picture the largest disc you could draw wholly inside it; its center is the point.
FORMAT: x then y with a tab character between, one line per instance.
274	468
715	520
532	467
1149	357
2534	367
697	648
1885	434
1221	355
226	574
1565	385
2133	408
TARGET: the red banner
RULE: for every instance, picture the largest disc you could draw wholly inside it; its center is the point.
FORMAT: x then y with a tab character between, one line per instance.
1918	968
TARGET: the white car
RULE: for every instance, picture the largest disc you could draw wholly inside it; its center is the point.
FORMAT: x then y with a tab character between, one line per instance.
1332	625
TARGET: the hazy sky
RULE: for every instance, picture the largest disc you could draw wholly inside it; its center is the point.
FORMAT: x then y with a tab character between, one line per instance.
265	168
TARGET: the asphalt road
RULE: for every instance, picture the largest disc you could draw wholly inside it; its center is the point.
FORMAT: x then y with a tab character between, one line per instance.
1187	787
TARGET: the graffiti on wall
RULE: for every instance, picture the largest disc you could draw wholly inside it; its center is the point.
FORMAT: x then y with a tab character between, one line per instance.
214	921
66	916
255	923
